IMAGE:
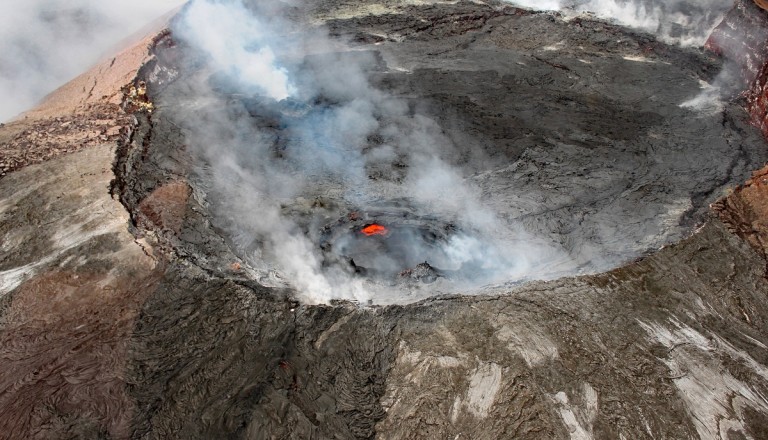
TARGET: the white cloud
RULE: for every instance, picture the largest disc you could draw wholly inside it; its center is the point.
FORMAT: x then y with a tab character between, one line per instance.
45	43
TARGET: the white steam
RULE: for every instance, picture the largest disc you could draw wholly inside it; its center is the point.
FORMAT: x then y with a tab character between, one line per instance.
44	43
711	98
262	176
543	5
238	43
684	22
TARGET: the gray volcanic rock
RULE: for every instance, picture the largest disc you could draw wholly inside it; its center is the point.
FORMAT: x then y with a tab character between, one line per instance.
162	326
596	142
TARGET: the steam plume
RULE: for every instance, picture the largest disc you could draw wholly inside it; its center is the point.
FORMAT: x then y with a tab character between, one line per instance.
327	112
681	22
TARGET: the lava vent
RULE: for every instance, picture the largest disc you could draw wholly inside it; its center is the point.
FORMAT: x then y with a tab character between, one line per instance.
394	246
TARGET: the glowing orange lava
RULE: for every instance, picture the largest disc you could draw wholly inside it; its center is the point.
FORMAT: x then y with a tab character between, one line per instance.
374	229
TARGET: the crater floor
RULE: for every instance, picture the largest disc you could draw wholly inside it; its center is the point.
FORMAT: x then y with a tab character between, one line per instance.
563	147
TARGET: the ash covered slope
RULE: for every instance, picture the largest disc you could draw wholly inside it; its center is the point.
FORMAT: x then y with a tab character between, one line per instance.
72	277
673	346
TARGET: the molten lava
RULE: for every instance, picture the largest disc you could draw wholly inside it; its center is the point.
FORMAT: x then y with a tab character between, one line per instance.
374	229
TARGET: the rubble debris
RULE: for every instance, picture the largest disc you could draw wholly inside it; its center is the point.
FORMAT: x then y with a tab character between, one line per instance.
137	99
423	272
35	140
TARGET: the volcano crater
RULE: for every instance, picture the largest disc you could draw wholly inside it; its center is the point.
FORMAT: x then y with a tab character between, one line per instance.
573	137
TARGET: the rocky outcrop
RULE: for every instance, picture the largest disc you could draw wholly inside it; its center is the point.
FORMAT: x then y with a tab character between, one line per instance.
84	113
745	211
741	38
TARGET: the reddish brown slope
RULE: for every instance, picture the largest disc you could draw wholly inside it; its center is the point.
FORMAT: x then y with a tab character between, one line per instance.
742	37
80	279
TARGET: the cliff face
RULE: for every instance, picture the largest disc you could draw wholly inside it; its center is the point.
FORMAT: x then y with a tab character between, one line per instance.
741	38
140	319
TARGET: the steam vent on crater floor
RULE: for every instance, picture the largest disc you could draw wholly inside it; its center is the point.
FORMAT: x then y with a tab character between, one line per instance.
396	220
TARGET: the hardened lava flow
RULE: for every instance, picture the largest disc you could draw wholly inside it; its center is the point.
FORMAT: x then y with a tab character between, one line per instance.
546	154
436	220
